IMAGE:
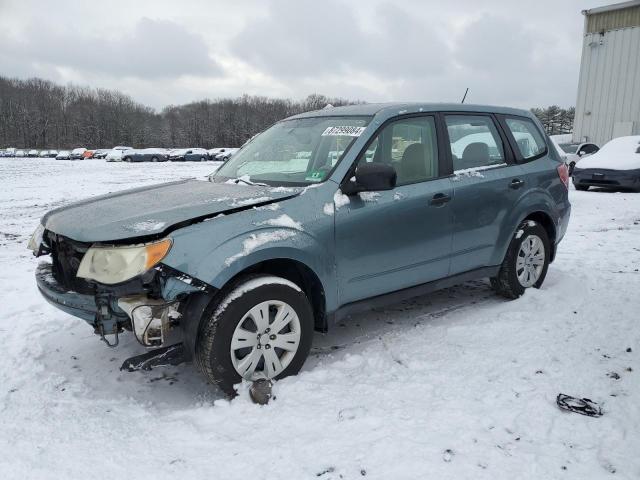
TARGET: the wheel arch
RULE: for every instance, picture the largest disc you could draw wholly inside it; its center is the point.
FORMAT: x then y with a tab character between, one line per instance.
297	272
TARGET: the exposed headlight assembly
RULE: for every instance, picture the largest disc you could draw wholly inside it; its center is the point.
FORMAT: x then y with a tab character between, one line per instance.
111	265
36	240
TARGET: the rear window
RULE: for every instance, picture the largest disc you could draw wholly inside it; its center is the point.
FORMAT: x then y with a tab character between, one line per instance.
528	138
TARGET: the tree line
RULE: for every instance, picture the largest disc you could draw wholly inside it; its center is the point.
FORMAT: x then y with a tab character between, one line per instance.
38	113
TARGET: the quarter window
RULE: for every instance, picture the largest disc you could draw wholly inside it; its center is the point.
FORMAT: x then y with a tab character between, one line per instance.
410	146
528	138
475	142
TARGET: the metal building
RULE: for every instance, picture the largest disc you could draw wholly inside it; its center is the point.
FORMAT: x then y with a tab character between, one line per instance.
608	104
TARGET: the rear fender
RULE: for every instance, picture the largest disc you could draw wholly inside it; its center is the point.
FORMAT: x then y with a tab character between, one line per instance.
534	200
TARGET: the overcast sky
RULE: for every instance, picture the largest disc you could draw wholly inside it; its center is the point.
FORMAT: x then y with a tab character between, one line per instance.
517	53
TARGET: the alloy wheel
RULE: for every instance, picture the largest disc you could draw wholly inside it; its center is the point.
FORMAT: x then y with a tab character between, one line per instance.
530	261
265	340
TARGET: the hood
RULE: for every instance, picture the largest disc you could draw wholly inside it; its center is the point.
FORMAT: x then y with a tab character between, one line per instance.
155	210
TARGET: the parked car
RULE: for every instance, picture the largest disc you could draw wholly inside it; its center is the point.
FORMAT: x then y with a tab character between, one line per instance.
615	166
77	154
53	153
32	153
87	155
188	155
63	155
241	269
9	152
101	153
226	154
20	153
146	155
213	152
571	152
115	155
43	153
122	147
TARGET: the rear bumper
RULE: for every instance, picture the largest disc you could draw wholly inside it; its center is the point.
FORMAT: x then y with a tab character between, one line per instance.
607	178
77	304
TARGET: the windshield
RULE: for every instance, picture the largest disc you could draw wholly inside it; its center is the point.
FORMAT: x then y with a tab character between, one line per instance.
569	147
294	152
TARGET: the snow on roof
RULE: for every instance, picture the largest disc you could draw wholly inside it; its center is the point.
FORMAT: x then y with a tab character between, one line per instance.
621	153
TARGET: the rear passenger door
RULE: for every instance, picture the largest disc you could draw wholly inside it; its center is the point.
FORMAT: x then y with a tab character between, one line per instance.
486	185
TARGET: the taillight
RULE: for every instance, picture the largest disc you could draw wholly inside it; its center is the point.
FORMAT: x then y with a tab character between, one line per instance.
563	173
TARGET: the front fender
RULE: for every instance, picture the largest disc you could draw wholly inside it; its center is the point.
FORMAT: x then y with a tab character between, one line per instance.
215	251
243	251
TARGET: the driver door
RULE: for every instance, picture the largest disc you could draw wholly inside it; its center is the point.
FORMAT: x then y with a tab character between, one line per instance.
391	240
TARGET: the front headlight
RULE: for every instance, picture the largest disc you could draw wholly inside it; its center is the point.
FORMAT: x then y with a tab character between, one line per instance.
36	239
112	265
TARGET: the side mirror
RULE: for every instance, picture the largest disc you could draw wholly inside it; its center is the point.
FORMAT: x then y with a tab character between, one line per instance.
371	177
581	153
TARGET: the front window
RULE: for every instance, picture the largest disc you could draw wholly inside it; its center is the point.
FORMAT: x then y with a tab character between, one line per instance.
294	152
410	146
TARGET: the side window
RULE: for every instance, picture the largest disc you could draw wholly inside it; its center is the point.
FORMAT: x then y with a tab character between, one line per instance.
475	141
410	146
526	134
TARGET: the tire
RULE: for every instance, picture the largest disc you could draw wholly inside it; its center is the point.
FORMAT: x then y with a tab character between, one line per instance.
202	159
225	322
154	159
582	188
127	159
508	282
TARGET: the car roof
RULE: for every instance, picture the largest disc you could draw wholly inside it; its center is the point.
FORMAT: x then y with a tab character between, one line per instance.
388	110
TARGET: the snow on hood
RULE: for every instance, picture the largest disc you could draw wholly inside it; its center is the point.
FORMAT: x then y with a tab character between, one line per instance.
621	153
151	211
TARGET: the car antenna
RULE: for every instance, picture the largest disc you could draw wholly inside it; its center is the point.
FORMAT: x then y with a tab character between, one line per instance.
465	95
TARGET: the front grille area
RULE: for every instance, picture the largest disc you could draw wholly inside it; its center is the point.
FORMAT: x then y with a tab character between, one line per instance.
66	256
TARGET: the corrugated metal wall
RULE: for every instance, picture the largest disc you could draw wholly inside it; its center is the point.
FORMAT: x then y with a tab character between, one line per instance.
609	85
613	20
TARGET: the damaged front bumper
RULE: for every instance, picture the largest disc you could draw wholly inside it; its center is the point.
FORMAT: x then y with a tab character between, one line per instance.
112	309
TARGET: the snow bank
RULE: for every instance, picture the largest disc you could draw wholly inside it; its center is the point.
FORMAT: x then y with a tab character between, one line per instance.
458	384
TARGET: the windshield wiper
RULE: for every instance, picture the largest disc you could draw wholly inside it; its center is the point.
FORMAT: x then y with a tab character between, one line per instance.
245	179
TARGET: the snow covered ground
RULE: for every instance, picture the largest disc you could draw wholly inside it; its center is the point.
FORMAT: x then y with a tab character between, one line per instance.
460	384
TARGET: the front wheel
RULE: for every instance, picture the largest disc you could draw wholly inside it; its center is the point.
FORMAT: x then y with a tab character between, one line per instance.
261	328
526	262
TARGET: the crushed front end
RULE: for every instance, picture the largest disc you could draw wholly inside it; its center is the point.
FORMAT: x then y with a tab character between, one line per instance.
149	304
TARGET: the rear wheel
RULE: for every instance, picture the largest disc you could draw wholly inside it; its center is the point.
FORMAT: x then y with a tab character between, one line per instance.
202	159
526	262
261	328
582	188
154	159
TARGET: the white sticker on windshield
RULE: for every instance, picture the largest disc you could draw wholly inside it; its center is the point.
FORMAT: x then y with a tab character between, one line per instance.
343	131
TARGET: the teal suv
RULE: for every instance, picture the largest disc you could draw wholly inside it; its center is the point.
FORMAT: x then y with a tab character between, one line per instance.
322	215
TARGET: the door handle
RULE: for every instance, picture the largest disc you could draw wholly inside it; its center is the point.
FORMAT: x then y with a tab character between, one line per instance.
516	183
439	199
